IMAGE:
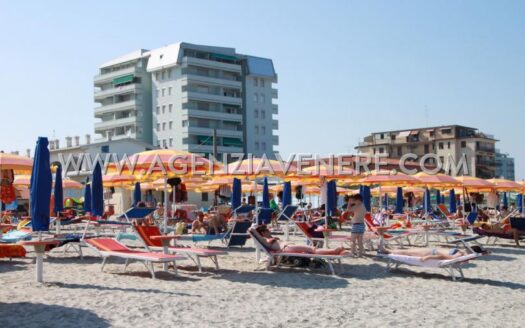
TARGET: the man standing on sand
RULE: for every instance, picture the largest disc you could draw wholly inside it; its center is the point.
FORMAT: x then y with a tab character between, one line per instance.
358	210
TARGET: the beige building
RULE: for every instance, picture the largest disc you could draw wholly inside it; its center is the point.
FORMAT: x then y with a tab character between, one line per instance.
449	143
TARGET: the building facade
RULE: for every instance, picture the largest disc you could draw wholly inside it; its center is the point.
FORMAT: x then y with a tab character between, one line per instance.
504	166
449	143
190	97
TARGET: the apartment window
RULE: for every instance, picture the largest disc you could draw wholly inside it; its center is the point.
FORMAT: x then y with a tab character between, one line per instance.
263	99
256	98
382	136
158	110
255	82
393	137
204	197
164	126
441	160
163	74
381	150
157	76
164	144
263	145
441	145
169	91
158	126
399	151
263	114
169	73
427	148
171	125
104	149
158	142
446	131
256	113
184	123
263	130
171	142
256	146
262	83
170	108
463	144
163	109
256	129
163	92
448	145
431	133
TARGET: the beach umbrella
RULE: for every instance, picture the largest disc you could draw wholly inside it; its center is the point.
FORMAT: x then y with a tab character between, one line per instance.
118	180
388	178
385	201
97	192
442	199
87	196
505	200
287	194
473	184
365	194
331	199
265	194
41	181
427	203
19	164
452	201
236	193
437	181
399	201
438	197
58	191
503	185
137	195
519	202
256	167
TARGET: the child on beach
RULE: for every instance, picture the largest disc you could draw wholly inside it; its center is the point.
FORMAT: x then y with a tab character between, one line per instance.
358	209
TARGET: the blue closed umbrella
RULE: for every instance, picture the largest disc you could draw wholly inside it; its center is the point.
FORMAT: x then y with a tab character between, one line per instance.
452	201
427	203
58	191
366	195
442	199
385	202
137	195
519	202
41	183
438	197
287	194
97	192
87	196
331	197
399	200
265	194
505	201
235	198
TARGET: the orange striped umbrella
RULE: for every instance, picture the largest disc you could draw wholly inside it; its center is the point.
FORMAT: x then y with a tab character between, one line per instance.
387	178
17	163
256	167
25	181
392	190
474	184
507	185
437	181
118	180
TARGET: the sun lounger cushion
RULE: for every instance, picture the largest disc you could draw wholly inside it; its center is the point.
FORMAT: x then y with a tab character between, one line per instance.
15	235
10	250
416	260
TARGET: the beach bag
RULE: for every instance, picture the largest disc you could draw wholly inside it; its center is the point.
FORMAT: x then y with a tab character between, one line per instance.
295	262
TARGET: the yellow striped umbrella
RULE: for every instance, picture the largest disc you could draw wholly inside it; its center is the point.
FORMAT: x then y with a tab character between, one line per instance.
473	184
17	163
437	181
507	185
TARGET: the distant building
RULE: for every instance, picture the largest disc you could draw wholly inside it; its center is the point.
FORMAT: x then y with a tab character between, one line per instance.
450	142
504	166
179	95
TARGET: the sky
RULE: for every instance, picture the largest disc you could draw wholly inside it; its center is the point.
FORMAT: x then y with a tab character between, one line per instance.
346	68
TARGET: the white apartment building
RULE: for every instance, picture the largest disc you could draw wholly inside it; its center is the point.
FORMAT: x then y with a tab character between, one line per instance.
195	92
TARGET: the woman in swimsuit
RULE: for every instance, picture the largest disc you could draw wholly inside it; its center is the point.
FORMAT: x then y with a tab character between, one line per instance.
433	253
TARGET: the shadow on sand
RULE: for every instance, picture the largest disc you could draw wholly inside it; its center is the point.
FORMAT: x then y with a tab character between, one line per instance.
35	314
106	288
8	266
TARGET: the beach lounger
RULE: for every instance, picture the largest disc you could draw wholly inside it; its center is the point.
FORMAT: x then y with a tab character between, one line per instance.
14	236
286	216
238	234
108	247
152	238
450	266
137	213
274	257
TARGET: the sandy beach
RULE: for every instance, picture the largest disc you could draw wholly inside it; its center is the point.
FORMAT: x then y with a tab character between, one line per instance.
77	293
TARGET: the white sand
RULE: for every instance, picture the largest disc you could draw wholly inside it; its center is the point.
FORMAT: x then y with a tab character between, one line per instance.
77	294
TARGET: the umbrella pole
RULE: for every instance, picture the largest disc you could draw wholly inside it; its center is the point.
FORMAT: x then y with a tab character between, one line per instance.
165	204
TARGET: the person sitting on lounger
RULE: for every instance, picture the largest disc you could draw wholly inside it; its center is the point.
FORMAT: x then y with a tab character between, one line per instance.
199	226
272	243
432	253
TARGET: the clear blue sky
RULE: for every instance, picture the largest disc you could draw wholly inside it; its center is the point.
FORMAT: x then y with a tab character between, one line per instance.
346	68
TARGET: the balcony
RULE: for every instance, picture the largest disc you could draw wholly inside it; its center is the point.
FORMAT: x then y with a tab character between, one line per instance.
117	107
275	94
130	88
207	80
194	95
275	125
105	125
108	77
209	132
195	148
275	140
210	64
187	113
275	109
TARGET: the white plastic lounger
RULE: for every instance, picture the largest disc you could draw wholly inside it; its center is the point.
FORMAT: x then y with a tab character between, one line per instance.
451	266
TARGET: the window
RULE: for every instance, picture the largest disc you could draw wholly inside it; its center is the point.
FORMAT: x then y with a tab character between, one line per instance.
158	110
164	126
104	149
164	143
381	150
163	109
204	197
263	114
382	136
441	145
163	74
263	130
256	146
263	99
157	93
184	123
441	160
263	145
427	148
158	143
431	133
171	125
448	145
256	98
399	151
170	107
163	92
256	113
157	76
393	137
255	82
262	83
171	142
463	144
169	73
256	129
169	91
158	126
